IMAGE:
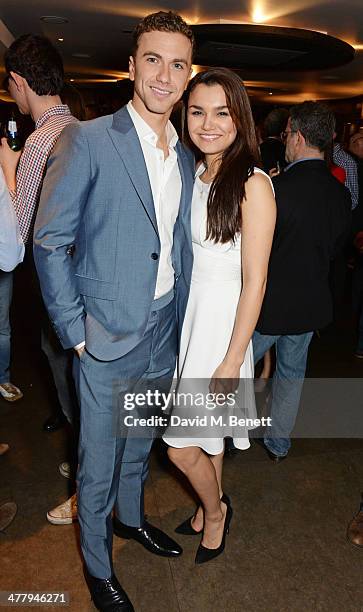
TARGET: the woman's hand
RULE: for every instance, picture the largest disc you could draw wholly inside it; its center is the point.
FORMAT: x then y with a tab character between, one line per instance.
9	161
274	172
8	157
225	379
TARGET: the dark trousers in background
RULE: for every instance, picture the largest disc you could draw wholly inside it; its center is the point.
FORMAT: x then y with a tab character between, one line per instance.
60	360
338	279
61	364
357	298
6	293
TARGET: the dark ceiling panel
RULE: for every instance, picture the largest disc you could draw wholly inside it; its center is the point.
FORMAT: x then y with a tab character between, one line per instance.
269	46
237	56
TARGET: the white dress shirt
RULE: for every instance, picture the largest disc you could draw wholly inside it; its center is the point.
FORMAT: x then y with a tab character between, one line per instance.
166	186
11	244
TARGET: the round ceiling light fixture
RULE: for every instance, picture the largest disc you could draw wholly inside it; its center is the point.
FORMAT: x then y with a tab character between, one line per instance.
55	19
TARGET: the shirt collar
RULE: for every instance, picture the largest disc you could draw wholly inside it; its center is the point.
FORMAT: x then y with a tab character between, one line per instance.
297	161
59	109
200	169
145	132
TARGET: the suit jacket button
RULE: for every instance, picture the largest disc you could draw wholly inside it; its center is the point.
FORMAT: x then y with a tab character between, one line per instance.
154	256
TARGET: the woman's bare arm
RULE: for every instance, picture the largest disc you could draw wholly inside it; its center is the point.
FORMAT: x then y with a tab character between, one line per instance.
258	224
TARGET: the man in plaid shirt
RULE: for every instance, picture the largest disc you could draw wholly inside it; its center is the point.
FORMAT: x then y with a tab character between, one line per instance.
344	160
35	72
38	96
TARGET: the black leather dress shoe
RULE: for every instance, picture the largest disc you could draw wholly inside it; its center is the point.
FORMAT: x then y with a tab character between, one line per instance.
152	538
108	595
54	422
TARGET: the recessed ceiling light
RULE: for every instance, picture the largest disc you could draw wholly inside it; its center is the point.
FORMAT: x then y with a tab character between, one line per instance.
258	12
270	93
71	80
258	16
53	19
81	55
61	39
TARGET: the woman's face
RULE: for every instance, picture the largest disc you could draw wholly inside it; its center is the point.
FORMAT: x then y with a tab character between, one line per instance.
210	124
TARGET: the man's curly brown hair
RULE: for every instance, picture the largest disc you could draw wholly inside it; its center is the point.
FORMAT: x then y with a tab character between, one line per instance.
162	22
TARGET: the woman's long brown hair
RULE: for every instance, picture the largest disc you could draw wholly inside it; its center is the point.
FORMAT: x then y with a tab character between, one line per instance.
227	190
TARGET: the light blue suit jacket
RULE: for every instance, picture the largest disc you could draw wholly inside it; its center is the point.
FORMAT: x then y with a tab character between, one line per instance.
97	197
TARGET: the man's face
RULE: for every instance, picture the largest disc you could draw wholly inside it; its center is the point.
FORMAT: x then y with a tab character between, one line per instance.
291	143
17	92
160	71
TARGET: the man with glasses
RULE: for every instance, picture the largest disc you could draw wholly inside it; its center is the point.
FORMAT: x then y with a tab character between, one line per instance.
313	221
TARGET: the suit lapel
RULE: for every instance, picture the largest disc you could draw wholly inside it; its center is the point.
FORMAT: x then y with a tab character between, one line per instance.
126	142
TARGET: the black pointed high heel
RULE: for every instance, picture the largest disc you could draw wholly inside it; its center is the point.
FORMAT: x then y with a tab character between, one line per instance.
186	528
207	554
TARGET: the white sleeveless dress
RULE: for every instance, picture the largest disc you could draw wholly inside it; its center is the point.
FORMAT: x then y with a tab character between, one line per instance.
208	325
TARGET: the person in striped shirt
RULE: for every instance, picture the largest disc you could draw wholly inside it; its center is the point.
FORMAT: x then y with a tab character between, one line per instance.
35	81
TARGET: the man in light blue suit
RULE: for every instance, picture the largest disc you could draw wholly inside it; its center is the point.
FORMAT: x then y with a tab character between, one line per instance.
119	189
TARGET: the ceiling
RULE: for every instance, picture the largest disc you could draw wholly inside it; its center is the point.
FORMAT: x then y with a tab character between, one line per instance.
97	38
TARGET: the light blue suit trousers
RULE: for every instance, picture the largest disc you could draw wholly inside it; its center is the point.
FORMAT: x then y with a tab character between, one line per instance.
113	469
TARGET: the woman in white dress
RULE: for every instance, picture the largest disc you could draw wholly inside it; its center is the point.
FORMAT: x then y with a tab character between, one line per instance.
233	220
